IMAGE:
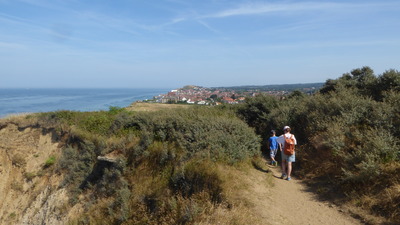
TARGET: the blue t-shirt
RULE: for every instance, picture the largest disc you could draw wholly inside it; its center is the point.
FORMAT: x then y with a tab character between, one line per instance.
273	144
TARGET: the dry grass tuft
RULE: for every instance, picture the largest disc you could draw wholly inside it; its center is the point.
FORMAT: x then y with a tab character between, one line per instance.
16	116
238	211
22	119
152	107
234	215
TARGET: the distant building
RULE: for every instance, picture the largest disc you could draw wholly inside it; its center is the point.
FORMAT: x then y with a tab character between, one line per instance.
229	100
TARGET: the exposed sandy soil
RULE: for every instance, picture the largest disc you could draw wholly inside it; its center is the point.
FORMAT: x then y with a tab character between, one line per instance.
27	189
290	202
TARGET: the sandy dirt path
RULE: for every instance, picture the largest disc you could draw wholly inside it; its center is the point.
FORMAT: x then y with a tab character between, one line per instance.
290	202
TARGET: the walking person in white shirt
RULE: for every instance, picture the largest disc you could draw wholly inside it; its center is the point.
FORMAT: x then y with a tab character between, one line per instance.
287	142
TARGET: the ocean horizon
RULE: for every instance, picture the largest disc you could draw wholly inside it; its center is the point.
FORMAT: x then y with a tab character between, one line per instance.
33	100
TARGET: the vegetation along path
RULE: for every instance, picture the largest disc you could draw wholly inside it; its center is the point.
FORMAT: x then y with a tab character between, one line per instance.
290	202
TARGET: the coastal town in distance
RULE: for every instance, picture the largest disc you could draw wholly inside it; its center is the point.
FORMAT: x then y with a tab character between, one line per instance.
192	94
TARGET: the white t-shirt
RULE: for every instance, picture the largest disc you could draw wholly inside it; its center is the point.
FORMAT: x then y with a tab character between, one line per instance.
281	139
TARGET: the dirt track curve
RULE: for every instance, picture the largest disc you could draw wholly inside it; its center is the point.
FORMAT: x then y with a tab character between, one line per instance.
290	202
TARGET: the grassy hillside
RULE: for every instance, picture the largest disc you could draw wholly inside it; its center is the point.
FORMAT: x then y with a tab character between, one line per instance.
124	167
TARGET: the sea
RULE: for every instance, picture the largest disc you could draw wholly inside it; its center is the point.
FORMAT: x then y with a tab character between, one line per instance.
32	100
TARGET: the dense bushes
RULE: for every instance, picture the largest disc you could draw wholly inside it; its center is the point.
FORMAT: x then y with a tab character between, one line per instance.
208	132
161	166
348	133
256	111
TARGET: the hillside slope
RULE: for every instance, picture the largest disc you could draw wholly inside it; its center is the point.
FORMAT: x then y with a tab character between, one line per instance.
30	192
59	172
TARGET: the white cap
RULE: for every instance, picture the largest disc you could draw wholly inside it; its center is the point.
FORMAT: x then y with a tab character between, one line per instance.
286	127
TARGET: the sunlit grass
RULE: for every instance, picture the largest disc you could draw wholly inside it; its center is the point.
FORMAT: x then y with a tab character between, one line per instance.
151	107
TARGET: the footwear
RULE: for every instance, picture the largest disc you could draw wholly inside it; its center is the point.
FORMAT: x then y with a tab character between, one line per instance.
288	178
283	176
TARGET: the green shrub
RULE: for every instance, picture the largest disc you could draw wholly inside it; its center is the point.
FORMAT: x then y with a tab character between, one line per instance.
57	118
98	123
255	111
12	215
50	161
392	99
114	110
77	166
211	133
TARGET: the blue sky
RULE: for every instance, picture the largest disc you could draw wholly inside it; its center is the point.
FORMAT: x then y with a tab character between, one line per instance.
172	43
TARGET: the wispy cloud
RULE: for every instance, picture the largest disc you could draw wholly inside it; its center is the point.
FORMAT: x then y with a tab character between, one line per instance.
15	19
11	45
290	7
54	4
111	22
177	20
34	32
208	27
88	17
326	44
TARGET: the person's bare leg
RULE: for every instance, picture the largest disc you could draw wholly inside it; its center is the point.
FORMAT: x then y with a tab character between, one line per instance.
283	167
289	169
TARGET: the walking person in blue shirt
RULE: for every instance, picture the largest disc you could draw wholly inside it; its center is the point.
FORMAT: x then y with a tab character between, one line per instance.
273	147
